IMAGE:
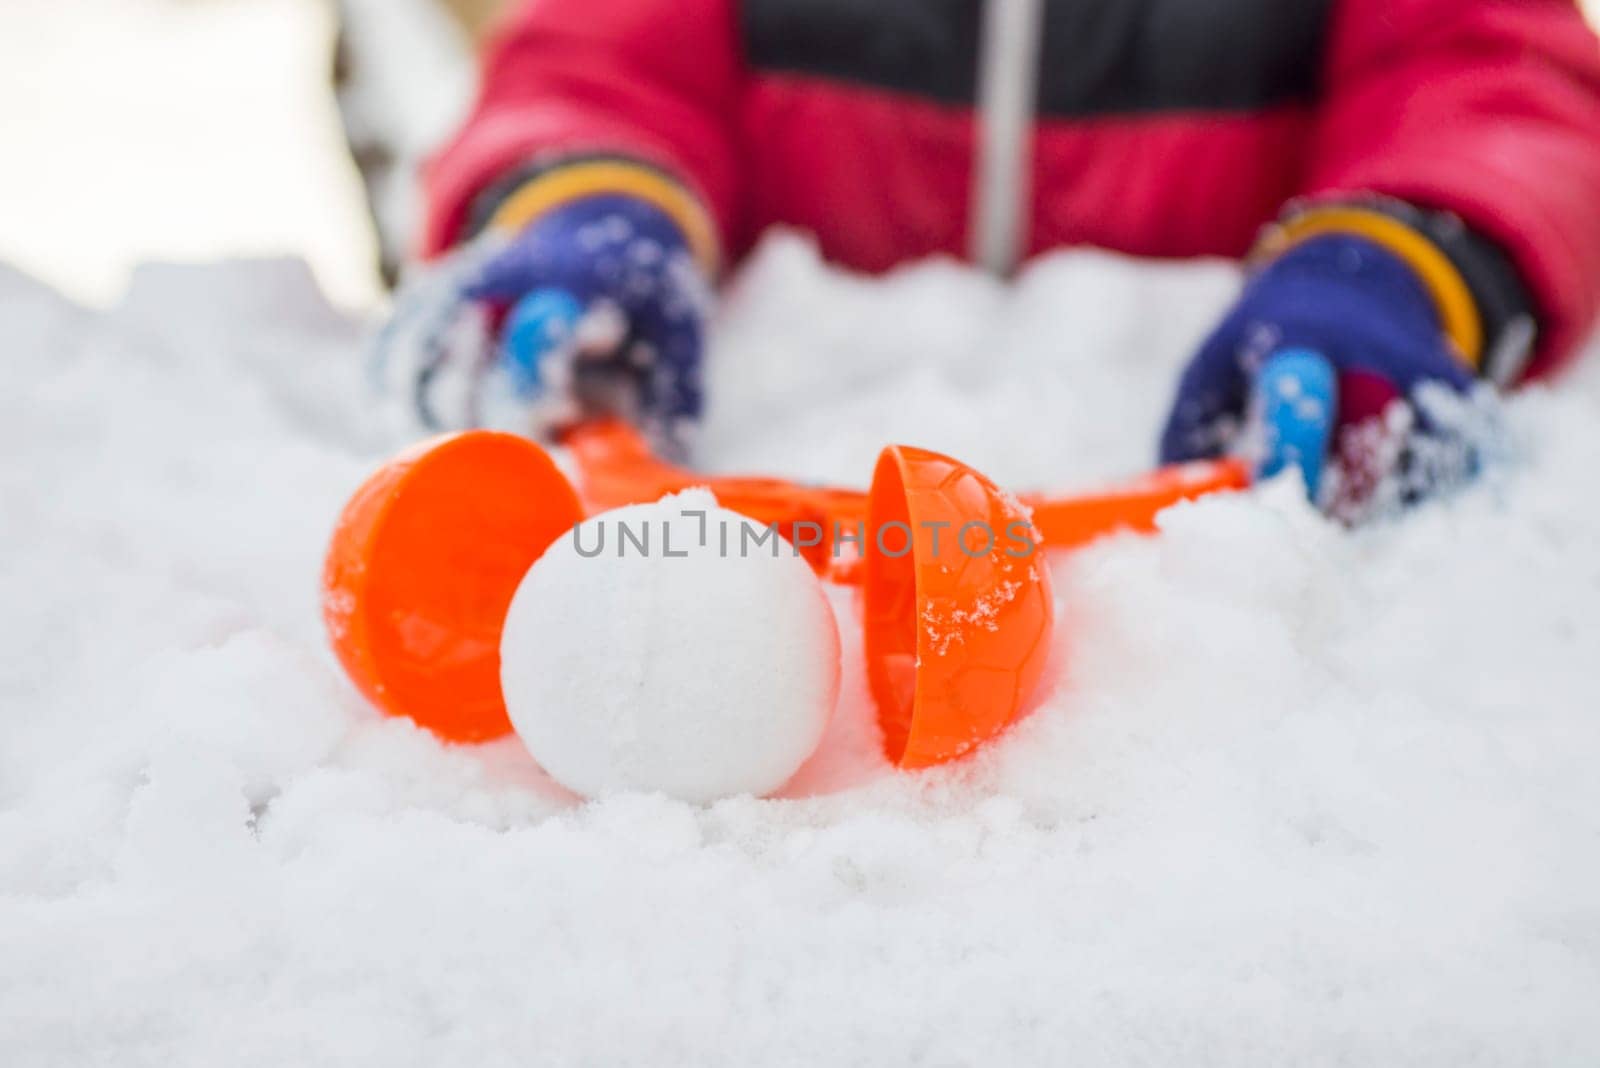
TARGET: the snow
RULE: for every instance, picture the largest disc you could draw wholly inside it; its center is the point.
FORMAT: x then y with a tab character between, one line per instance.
140	129
675	601
1296	795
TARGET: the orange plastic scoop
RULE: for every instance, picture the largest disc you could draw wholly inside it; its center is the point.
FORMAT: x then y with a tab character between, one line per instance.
423	564
430	550
957	606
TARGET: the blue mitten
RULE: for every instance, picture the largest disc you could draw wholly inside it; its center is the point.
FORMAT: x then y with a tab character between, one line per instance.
1341	299
595	307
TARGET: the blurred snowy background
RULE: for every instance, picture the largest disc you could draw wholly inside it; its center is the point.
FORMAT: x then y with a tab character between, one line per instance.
198	129
195	130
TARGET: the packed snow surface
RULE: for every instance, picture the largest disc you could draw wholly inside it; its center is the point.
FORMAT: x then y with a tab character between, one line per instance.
634	644
1295	795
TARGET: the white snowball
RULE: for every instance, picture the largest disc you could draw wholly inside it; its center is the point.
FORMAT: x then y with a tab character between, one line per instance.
700	675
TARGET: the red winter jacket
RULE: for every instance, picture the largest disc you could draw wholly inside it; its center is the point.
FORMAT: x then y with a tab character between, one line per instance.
1164	127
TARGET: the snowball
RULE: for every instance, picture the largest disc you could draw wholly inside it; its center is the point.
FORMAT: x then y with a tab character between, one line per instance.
664	647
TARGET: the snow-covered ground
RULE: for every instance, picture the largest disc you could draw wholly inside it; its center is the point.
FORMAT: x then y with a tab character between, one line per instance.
1297	796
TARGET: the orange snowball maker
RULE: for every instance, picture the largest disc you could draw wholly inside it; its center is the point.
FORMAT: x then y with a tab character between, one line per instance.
429	551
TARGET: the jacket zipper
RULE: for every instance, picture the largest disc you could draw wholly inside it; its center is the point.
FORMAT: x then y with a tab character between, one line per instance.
1008	73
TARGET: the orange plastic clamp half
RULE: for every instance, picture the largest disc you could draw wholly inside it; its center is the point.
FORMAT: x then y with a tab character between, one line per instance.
958	610
422	568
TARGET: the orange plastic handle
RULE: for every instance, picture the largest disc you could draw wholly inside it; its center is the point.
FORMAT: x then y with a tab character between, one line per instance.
616	468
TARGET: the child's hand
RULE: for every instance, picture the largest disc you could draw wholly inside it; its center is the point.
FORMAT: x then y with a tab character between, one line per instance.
1367	313
595	307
